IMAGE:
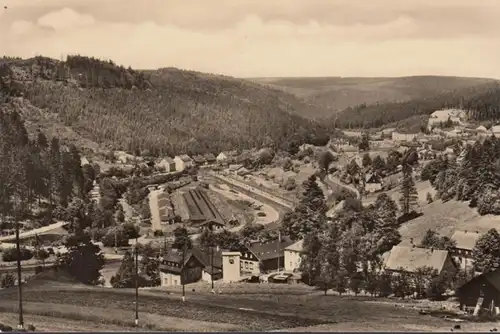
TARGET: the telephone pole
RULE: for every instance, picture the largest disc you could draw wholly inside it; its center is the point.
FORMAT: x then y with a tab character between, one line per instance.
19	272
136	282
183	281
212	264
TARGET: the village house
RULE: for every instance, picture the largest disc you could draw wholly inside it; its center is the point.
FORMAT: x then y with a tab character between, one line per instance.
199	160
84	161
292	256
183	162
168	164
199	264
396	136
179	267
210	158
254	260
465	242
495	130
486	286
233	169
410	259
373	182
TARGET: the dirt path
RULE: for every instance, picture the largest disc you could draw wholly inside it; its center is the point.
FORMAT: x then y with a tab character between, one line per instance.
31	233
271	214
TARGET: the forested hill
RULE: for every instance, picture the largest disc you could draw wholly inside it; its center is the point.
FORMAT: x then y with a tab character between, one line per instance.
482	102
165	111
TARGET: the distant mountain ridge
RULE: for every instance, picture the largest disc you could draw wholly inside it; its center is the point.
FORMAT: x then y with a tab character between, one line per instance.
335	94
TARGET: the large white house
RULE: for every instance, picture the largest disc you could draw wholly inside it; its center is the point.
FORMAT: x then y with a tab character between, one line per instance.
293	256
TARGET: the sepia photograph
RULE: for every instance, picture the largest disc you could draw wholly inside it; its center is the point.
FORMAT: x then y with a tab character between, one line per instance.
249	165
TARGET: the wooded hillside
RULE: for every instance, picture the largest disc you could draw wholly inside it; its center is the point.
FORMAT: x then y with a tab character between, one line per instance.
166	111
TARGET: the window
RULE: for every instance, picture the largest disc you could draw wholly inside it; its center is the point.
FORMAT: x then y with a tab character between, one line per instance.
291	264
246	265
231	260
251	265
165	281
175	282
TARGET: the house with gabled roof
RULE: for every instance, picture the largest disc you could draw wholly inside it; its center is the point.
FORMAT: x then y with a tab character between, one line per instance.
182	162
267	255
210	158
179	267
410	259
168	164
373	182
485	286
465	241
199	160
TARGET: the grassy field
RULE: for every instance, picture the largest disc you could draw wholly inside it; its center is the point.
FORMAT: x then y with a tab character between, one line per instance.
239	307
445	218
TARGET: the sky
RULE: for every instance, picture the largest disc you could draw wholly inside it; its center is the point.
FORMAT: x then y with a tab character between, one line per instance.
264	38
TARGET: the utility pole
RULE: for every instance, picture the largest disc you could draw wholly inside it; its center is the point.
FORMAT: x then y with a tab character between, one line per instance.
279	242
183	281
212	264
19	273
136	282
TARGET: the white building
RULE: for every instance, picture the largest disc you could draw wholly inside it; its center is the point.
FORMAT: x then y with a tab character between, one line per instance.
182	162
293	256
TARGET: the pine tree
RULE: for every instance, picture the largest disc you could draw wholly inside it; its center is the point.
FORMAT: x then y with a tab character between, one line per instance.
124	277
330	258
309	216
310	263
409	194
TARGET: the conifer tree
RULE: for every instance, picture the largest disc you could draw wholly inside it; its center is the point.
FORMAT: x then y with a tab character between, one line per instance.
409	195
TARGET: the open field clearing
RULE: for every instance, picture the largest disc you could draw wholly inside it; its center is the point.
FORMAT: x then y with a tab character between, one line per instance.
257	307
423	187
445	218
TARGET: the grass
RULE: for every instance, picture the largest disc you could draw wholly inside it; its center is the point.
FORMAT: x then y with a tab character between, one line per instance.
238	307
445	218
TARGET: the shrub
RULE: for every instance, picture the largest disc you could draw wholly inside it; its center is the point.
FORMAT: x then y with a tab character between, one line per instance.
130	230
7	281
10	254
158	233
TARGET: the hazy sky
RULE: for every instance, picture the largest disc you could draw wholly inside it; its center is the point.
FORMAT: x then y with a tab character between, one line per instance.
255	38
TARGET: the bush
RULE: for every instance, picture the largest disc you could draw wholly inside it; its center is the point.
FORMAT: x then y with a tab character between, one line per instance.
10	254
158	233
7	281
131	230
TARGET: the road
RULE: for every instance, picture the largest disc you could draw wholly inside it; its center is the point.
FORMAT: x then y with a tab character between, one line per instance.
31	233
334	182
155	210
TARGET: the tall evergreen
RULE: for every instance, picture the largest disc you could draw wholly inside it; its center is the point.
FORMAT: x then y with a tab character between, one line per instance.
409	195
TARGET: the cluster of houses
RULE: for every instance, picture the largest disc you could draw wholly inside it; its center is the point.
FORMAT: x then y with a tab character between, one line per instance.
284	256
184	161
247	262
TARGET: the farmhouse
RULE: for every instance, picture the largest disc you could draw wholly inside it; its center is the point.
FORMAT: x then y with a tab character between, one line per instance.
168	164
462	252
226	157
373	182
182	162
293	256
178	267
486	285
410	259
200	209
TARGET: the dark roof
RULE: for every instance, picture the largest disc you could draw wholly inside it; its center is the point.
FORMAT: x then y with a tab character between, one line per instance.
209	222
199	158
269	250
210	157
492	277
202	255
200	207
